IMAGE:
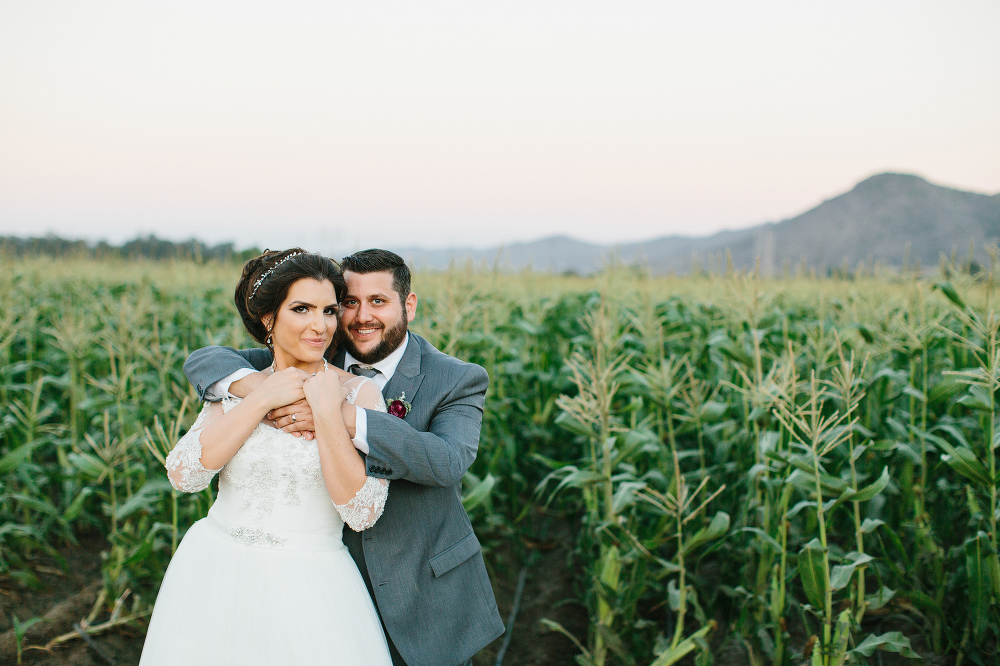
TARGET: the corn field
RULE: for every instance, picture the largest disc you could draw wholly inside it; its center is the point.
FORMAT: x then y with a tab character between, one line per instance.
804	468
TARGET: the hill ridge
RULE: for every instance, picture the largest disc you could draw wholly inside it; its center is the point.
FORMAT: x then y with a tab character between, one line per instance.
874	221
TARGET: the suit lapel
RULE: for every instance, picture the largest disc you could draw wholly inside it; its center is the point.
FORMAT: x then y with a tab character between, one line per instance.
407	378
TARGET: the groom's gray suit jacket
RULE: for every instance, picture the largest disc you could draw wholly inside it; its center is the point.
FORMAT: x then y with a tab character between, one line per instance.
421	561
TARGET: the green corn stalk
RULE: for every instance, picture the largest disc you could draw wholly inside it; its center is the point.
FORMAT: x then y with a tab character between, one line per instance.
592	409
20	629
679	505
918	330
700	402
111	450
819	434
117	385
847	382
71	333
666	380
762	392
10	327
160	442
983	383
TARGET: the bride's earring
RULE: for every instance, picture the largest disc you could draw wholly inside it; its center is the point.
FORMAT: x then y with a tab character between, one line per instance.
268	341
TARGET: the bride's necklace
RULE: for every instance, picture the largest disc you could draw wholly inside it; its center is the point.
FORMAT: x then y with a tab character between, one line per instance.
326	366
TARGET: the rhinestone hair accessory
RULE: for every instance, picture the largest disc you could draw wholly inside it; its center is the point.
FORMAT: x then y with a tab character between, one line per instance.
256	285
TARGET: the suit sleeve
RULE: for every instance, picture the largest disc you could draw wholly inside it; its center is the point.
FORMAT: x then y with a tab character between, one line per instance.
208	365
440	456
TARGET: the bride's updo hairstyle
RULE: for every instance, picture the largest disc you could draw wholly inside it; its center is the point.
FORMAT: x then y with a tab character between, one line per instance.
266	280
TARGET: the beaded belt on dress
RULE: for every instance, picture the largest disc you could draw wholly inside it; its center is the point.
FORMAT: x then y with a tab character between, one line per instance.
251	535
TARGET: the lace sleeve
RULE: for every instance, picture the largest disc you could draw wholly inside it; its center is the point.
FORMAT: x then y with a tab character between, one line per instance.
366	506
184	468
366	394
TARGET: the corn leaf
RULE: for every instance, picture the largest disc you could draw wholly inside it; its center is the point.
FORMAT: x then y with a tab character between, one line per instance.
10	461
841	575
977	569
716	529
674	655
810	566
479	492
960	459
892	641
949	291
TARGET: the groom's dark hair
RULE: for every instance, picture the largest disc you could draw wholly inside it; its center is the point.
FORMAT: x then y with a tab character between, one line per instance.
381	261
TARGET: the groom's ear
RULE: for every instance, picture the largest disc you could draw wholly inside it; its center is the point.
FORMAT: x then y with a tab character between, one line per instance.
411	306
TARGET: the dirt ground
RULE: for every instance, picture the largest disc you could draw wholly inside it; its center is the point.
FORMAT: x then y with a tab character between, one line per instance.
67	598
548	593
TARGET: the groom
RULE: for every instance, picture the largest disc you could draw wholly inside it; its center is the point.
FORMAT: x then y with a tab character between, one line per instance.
421	561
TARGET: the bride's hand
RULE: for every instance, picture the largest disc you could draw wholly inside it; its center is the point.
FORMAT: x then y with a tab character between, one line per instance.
282	388
325	393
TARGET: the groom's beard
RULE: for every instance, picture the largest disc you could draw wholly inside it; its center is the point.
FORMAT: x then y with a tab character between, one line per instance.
391	339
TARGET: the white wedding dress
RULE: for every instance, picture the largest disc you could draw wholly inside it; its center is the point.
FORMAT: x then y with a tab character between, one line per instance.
265	577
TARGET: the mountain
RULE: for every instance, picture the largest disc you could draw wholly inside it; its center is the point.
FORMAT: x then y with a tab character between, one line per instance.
876	221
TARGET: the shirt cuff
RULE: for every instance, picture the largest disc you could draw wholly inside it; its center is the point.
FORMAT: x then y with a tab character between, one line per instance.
361	430
220	389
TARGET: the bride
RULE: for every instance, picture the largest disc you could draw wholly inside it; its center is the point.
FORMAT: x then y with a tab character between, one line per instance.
265	577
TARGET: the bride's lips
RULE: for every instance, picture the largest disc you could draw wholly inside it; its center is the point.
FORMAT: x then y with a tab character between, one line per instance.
315	342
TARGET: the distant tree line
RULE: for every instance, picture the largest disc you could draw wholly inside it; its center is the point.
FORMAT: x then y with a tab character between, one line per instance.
150	247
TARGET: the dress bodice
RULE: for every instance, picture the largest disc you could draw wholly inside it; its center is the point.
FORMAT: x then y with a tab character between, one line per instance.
272	492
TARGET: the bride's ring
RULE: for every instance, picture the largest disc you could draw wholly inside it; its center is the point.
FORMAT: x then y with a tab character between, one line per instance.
294	419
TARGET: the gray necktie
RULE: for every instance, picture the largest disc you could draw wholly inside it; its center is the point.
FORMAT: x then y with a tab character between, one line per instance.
362	370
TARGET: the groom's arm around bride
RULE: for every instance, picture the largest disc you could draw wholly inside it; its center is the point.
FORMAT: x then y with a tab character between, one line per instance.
421	560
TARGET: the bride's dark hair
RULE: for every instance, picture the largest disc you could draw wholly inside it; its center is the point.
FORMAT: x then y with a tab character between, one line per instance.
266	280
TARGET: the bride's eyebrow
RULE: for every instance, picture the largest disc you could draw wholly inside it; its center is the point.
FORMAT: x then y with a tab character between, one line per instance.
296	304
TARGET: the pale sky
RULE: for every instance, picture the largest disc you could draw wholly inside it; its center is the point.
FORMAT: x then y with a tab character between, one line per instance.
341	125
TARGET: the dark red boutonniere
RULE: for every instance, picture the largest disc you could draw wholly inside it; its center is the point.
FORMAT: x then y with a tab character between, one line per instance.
399	407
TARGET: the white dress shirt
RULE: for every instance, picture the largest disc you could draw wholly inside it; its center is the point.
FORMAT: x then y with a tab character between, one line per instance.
386	368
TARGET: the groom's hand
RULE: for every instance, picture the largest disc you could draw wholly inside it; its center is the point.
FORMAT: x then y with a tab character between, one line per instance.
301	426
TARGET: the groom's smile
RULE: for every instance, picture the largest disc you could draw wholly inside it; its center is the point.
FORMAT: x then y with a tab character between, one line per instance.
365	331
